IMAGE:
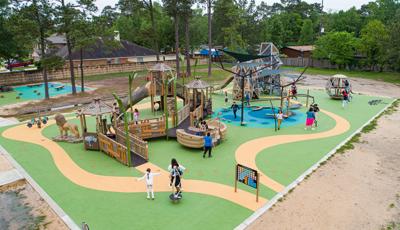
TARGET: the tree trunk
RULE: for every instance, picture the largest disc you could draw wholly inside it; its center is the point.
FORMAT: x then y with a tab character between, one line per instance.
187	48
82	79
42	50
69	48
153	28
209	36
71	64
176	20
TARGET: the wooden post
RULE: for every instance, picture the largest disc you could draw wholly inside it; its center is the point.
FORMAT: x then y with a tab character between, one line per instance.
308	93
258	186
176	104
166	106
236	177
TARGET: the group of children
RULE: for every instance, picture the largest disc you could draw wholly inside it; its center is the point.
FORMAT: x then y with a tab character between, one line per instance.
175	173
311	119
116	111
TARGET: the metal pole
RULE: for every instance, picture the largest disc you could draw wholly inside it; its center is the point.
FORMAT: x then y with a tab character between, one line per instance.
308	93
242	111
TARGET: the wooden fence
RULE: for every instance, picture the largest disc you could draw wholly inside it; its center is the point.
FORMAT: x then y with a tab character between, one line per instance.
198	113
113	149
183	113
300	62
148	128
138	146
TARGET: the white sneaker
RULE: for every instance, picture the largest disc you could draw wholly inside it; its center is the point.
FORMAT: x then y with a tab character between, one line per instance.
312	128
148	198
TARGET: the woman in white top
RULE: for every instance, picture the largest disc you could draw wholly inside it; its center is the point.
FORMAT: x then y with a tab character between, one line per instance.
149	182
279	117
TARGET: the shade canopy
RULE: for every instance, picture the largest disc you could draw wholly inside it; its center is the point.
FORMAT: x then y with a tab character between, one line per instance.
338	76
197	84
241	57
161	67
97	107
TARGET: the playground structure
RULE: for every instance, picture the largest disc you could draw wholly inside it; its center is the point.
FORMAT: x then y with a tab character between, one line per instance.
110	138
262	74
335	85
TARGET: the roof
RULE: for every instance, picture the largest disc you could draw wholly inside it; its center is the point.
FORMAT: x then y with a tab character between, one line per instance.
338	76
197	84
161	67
57	39
101	50
307	48
97	107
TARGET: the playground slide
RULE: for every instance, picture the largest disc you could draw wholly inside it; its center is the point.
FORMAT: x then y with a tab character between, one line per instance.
139	94
224	84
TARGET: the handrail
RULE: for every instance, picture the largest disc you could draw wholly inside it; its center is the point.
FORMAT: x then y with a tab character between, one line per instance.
183	113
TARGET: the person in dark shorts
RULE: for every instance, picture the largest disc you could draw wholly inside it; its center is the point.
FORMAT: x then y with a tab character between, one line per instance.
235	108
208	144
176	172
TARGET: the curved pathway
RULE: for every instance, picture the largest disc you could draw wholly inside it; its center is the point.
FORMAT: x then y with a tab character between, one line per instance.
246	153
86	179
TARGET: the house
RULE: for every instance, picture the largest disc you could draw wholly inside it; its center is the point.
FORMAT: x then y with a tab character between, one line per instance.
102	52
118	52
54	43
297	51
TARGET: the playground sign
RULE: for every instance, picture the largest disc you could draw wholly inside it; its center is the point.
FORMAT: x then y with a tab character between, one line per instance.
248	177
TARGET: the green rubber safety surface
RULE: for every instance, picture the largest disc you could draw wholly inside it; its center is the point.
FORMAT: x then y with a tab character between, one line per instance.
107	210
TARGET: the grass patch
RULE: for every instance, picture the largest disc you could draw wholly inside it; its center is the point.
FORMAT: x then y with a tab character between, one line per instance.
349	145
391	77
391	226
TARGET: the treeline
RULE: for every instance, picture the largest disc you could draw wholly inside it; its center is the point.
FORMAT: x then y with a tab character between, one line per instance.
367	37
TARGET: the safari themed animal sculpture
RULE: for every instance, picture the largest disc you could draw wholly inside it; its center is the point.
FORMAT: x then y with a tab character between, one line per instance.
64	126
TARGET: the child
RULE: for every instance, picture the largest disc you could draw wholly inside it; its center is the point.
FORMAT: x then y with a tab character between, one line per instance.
316	110
136	116
235	108
149	182
310	119
345	100
279	117
226	98
208	144
248	99
294	91
176	172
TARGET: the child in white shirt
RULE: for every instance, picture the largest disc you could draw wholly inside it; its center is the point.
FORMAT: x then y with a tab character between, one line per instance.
149	182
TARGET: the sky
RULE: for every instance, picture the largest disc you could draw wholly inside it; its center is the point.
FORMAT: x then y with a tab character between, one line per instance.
333	5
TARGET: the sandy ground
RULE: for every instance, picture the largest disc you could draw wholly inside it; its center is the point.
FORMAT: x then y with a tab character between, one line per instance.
38	208
359	85
359	189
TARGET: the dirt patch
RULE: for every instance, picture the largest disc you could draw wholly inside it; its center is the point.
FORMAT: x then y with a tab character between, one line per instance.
359	85
359	189
21	207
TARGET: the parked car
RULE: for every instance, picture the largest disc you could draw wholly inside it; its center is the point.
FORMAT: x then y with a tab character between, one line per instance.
15	64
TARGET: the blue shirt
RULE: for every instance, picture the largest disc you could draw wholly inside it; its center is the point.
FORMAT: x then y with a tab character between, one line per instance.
207	141
310	115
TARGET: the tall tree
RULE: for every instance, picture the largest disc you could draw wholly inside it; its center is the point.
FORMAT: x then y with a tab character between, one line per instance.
374	38
187	14
33	21
67	14
338	47
173	9
393	45
307	33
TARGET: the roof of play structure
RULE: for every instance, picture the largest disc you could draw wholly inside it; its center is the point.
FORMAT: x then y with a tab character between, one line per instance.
197	84
339	76
97	107
161	67
241	57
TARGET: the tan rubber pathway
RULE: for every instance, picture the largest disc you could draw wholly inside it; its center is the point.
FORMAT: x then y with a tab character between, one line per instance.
125	184
246	153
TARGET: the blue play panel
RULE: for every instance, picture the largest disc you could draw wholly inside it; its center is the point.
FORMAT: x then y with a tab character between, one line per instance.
262	118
